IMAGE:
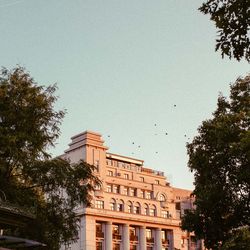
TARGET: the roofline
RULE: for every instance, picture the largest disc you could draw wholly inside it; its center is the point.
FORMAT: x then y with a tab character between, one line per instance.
125	158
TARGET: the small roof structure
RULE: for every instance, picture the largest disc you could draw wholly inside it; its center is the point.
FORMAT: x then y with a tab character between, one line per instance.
15	216
10	242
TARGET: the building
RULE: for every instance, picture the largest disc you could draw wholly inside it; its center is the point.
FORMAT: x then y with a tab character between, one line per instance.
135	208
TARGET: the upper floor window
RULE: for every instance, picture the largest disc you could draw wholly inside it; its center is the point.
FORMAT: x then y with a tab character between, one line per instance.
125	190
137	208
178	206
130	207
148	195
96	164
109	162
165	214
152	212
116	189
142	179
157	182
145	209
142	193
99	204
133	191
110	173
119	207
109	188
112	205
126	176
162	198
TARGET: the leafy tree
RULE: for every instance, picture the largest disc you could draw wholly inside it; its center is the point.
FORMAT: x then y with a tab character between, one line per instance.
232	18
29	177
240	240
219	156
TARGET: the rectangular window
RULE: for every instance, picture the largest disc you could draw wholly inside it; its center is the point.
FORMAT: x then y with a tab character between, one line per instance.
178	206
157	182
133	191
99	204
110	173
141	179
126	176
148	195
116	189
142	193
165	214
125	191
109	188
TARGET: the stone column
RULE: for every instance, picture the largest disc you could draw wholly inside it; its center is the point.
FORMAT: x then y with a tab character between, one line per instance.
88	233
142	240
125	237
158	241
108	236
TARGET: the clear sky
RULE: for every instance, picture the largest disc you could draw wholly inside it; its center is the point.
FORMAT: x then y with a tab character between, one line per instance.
121	67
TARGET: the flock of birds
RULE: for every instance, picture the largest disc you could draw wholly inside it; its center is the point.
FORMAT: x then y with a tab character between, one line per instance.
155	134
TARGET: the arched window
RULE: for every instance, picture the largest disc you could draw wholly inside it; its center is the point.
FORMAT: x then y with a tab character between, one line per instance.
137	208
130	207
120	205
145	209
152	210
162	197
112	204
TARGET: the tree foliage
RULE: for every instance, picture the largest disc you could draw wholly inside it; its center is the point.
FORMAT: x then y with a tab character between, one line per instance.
29	177
232	18
219	156
239	240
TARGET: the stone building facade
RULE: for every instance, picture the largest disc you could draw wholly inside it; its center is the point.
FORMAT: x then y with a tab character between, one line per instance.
135	208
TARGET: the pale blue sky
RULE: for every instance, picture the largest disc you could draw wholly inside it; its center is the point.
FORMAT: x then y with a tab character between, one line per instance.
121	66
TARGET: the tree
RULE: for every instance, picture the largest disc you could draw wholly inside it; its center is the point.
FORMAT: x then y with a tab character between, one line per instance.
29	177
232	18
240	240
219	156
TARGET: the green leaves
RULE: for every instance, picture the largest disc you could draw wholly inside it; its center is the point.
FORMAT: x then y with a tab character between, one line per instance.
219	159
28	176
232	18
